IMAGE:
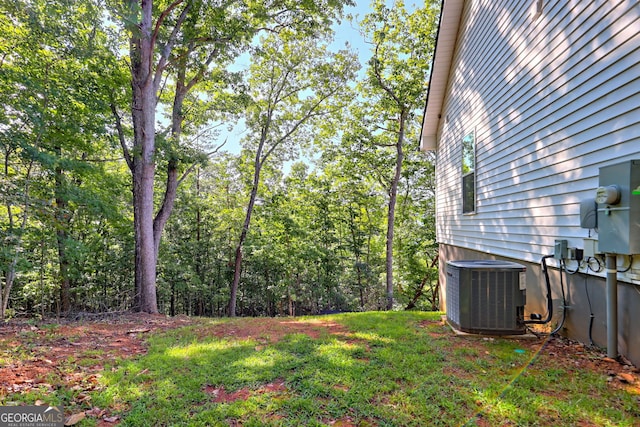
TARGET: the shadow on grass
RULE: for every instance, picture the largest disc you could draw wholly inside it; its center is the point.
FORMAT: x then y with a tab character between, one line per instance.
380	369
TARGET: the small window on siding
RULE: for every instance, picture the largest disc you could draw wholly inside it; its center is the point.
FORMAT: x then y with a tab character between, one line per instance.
469	173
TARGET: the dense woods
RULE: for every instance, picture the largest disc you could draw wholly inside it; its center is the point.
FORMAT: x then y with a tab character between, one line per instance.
125	185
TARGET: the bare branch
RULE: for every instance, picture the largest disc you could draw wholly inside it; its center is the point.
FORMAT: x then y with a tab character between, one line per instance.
386	130
308	115
200	74
218	148
166	51
378	144
378	73
201	41
195	138
107	160
121	138
194	164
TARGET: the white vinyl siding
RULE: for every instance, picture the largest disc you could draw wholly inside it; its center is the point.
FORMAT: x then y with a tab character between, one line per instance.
551	100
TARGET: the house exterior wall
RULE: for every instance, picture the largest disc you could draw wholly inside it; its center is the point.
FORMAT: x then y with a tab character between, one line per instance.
551	97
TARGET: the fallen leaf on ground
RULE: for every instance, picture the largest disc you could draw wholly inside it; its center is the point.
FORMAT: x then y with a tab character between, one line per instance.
627	378
95	412
74	419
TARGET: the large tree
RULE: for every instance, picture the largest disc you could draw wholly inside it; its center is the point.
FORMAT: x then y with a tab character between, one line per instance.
295	83
402	46
181	44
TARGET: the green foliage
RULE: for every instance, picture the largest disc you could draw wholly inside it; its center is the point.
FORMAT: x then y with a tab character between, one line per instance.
317	239
64	188
402	50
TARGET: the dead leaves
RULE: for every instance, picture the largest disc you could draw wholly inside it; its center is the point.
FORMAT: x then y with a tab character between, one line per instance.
102	414
71	356
626	378
94	412
74	419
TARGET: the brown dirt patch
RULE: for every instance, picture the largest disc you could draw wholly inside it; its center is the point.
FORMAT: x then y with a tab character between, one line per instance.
46	347
220	395
270	330
72	354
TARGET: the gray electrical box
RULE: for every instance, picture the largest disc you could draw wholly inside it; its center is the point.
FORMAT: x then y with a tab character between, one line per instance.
618	199
560	249
589	213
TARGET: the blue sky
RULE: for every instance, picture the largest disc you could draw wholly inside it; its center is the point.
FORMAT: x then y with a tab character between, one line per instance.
346	31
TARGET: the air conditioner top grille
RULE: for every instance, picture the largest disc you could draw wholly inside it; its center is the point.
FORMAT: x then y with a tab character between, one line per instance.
487	264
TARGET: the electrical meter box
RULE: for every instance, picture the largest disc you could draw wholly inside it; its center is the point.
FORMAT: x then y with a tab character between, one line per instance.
618	199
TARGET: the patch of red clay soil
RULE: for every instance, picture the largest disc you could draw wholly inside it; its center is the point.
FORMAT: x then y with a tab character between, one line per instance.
220	395
71	354
269	330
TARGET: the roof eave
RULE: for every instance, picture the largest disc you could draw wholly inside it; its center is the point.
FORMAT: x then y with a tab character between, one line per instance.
450	14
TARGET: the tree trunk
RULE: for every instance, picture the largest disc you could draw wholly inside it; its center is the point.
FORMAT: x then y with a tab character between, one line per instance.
257	167
143	163
420	291
10	276
171	188
144	236
243	236
61	226
198	259
391	216
148	229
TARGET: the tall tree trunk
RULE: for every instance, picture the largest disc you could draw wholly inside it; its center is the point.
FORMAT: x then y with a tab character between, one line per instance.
391	215
148	229
237	266
356	252
63	263
145	275
61	226
198	260
143	163
171	186
10	276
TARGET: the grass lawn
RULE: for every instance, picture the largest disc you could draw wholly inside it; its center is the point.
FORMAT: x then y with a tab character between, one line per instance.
356	369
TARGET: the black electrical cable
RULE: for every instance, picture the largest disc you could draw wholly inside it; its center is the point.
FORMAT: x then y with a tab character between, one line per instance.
543	262
576	270
591	315
589	264
629	267
564	300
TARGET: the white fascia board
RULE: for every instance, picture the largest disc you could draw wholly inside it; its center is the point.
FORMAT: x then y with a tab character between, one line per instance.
450	14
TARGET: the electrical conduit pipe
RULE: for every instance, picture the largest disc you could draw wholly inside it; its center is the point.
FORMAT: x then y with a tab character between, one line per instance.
612	305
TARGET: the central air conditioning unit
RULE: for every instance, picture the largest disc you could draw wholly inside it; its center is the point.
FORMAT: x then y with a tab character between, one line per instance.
486	296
